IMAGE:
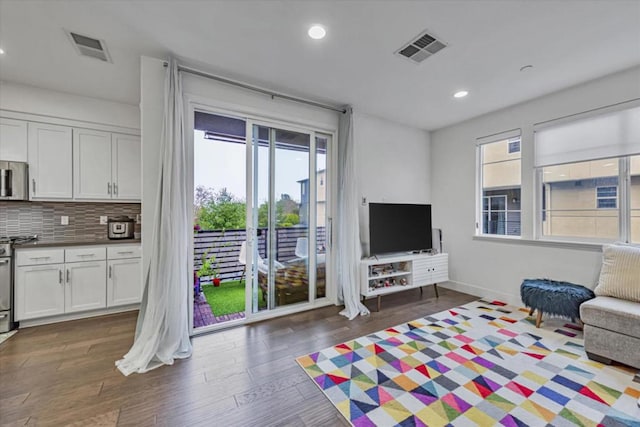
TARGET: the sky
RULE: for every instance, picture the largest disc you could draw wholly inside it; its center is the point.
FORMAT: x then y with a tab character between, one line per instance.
220	164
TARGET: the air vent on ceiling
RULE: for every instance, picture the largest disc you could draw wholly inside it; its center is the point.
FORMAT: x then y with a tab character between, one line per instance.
421	47
88	46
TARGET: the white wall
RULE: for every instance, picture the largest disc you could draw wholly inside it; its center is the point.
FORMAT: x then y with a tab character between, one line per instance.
33	100
392	165
496	269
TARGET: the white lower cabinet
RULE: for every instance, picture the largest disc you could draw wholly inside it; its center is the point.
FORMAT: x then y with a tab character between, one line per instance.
85	282
124	284
39	291
56	281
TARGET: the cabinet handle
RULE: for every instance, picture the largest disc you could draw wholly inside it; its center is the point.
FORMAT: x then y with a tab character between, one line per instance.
109	188
115	189
60	277
4	261
33	186
125	252
110	272
67	275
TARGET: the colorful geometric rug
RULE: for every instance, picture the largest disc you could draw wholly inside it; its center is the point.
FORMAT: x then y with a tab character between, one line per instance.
480	364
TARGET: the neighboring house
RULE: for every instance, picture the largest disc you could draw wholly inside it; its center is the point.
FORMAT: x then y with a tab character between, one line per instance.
501	187
321	204
583	199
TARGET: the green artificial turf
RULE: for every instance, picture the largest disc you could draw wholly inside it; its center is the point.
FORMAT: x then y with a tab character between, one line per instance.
227	298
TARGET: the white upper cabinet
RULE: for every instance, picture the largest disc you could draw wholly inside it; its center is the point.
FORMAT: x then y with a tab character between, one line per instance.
74	163
106	166
92	164
50	161
13	140
125	167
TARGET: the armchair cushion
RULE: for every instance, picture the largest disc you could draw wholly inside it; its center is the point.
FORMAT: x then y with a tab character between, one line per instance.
620	273
612	314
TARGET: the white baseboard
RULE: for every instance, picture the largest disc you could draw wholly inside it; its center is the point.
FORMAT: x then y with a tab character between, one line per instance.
75	316
482	292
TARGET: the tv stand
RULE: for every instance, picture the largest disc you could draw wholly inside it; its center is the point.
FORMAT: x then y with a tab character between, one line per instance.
402	272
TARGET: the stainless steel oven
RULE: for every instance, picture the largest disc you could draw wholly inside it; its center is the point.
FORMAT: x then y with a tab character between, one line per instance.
6	287
7	309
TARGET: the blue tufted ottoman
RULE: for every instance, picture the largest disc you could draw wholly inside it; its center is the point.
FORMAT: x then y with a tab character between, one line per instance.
552	297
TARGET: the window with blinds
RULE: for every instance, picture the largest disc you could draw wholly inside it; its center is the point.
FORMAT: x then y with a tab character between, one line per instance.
588	176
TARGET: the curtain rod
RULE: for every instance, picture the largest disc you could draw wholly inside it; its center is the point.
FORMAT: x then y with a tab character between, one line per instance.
256	89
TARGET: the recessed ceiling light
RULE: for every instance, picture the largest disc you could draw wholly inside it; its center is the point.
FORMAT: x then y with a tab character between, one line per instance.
317	32
1	51
460	94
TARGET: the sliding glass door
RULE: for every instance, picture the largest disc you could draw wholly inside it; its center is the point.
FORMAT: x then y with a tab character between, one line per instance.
261	207
287	181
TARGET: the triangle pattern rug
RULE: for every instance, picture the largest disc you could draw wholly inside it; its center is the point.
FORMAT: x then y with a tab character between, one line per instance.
480	364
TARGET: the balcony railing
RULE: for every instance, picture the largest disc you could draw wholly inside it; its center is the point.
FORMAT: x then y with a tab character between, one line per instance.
226	244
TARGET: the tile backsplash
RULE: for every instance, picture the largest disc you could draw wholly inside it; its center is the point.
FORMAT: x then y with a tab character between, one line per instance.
43	219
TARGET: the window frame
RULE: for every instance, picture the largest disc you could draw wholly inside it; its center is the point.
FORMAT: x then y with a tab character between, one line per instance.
479	197
514	141
623	205
490	210
606	198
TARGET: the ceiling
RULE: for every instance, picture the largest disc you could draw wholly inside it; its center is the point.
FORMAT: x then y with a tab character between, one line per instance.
265	43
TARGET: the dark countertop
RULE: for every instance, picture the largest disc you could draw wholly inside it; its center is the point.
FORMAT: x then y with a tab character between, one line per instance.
77	242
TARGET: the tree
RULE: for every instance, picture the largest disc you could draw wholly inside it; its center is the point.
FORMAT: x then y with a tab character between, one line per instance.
287	212
219	210
203	196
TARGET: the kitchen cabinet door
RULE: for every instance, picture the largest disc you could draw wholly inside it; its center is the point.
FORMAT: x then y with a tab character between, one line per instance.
92	164
125	169
50	161
124	282
86	285
39	291
13	140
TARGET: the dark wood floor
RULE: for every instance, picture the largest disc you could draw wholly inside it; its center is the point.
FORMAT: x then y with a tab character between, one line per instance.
65	374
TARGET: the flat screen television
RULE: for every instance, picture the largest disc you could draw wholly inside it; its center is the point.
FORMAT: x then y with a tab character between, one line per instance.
398	227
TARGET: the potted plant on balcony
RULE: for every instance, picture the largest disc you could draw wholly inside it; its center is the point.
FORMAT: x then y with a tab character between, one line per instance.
209	268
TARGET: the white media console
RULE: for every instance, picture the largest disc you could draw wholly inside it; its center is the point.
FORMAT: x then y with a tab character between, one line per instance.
386	275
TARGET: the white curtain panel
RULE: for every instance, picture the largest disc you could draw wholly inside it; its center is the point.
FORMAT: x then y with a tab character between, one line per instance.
349	250
162	332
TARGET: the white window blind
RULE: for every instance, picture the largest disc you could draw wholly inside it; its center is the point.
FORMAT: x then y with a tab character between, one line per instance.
610	134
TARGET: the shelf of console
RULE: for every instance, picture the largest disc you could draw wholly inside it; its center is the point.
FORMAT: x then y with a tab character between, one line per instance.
417	270
389	275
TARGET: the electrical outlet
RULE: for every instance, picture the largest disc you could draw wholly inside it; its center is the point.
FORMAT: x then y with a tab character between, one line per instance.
139	219
64	220
103	220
